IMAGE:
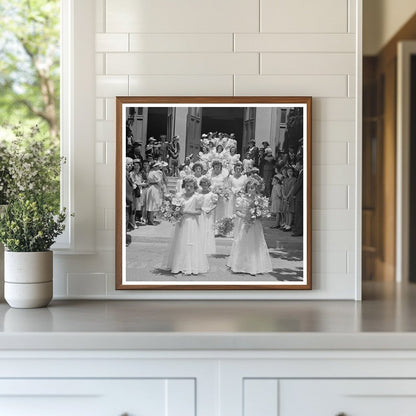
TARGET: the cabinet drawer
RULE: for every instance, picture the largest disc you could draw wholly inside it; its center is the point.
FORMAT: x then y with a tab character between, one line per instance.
86	397
349	397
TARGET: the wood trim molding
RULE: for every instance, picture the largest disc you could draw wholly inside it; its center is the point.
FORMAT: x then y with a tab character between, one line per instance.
389	51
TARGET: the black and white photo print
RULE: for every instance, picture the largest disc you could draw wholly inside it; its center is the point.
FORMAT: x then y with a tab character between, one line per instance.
213	193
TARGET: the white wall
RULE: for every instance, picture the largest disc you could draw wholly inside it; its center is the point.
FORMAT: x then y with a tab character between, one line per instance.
234	47
381	20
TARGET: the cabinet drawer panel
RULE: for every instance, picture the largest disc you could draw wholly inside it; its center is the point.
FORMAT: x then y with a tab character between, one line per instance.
350	397
86	397
260	397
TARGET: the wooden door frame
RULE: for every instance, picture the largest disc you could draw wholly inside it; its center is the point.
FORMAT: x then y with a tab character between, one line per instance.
404	51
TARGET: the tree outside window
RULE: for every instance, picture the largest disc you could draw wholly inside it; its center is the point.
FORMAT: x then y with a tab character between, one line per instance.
30	63
30	72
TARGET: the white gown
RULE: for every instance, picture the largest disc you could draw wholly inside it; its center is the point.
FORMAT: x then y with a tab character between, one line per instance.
207	222
220	180
236	185
205	159
249	252
186	253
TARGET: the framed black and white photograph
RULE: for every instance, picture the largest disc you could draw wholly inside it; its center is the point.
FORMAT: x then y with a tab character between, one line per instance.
213	193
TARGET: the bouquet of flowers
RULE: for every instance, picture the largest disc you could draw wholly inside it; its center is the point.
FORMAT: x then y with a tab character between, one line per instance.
222	192
258	208
224	226
171	209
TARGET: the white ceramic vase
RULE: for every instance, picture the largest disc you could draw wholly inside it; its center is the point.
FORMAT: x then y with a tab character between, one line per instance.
28	278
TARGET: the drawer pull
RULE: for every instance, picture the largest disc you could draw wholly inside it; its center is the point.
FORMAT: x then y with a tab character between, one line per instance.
341	414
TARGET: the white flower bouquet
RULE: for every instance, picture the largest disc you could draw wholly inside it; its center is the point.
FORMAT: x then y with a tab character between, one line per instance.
224	226
172	209
258	208
222	192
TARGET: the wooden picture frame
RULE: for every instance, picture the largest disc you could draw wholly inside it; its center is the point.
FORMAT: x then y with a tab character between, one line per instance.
280	126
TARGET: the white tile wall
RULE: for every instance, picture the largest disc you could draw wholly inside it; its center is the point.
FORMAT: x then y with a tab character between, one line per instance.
99	109
105	176
310	63
100	15
330	153
283	42
330	196
327	241
100	156
181	63
338	130
181	85
332	220
333	174
351	86
174	42
106	131
182	16
100	64
352	13
110	109
111	86
91	284
300	16
329	262
232	47
334	109
313	85
112	42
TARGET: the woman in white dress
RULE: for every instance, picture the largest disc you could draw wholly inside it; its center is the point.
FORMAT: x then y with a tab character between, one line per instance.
219	181
211	150
236	182
231	142
232	158
207	220
154	193
138	184
186	253
249	252
205	158
197	170
220	154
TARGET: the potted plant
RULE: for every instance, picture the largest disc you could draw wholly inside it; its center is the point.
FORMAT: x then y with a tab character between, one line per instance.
32	220
28	229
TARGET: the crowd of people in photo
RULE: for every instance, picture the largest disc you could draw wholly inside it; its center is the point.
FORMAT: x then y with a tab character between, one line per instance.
216	183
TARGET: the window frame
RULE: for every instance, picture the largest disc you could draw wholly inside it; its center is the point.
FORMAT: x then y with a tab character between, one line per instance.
78	101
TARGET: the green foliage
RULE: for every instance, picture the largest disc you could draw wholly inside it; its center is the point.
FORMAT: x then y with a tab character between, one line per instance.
29	164
29	224
30	63
5	178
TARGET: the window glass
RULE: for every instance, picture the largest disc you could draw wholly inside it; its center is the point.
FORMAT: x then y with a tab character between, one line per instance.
30	69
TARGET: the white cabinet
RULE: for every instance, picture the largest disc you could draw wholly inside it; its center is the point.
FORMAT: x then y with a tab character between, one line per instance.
207	383
82	397
349	397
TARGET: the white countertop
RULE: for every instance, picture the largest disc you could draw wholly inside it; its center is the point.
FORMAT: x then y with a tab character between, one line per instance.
384	320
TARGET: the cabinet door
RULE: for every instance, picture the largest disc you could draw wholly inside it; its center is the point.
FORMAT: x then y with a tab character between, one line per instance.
112	397
347	397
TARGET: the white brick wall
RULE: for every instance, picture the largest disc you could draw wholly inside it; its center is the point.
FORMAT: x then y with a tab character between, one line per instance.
233	47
